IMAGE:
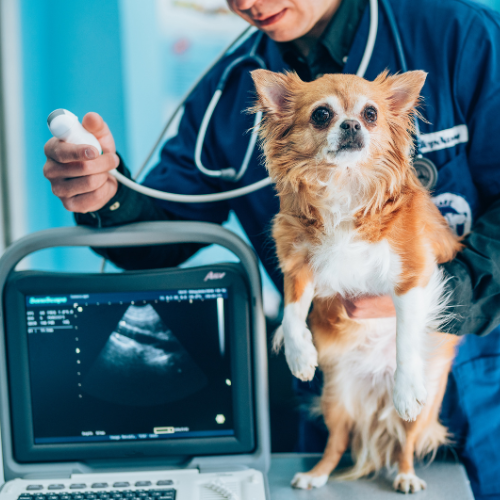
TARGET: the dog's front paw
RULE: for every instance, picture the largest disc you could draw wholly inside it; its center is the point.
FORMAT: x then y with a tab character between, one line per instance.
408	483
409	395
301	355
305	481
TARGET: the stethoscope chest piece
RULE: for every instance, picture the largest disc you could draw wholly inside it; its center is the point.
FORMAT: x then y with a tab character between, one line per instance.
426	172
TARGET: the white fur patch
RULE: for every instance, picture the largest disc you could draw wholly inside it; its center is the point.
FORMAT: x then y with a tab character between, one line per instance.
417	312
364	375
410	393
370	364
305	481
361	104
344	263
300	353
334	103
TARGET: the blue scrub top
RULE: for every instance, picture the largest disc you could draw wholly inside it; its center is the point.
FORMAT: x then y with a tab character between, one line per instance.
458	43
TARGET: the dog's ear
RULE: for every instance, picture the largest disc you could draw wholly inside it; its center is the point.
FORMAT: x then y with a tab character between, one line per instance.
274	91
403	90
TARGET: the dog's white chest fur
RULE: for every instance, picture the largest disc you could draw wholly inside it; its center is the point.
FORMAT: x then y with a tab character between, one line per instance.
344	263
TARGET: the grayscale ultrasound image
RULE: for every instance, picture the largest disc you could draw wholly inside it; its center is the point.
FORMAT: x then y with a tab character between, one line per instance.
143	363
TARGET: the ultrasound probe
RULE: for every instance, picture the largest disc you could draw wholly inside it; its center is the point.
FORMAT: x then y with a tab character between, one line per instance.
64	125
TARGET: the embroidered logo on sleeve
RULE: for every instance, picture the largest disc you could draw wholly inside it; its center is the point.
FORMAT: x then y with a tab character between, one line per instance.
443	139
456	211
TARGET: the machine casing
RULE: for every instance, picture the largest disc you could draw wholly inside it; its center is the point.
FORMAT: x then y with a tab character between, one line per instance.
144	234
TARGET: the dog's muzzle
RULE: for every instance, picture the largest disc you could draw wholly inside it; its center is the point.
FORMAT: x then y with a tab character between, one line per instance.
351	138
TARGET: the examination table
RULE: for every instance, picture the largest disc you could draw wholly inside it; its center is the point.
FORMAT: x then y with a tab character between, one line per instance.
445	481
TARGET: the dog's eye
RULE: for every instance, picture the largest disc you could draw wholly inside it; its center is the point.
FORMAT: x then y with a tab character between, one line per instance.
370	115
321	116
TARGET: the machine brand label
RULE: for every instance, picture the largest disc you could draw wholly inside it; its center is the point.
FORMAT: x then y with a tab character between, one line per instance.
214	276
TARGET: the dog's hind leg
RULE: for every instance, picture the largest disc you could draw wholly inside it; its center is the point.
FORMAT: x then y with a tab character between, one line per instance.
407	481
339	426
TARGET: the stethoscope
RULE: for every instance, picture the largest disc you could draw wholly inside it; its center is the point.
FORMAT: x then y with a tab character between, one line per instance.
425	168
230	173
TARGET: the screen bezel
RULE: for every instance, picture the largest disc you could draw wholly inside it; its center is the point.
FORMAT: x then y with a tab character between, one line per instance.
26	283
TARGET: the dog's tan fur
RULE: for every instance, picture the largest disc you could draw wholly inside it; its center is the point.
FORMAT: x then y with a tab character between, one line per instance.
391	205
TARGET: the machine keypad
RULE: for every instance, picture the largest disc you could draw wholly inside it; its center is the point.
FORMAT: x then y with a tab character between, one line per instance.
152	494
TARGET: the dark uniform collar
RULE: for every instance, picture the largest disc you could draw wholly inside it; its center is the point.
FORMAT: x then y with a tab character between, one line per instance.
340	32
330	52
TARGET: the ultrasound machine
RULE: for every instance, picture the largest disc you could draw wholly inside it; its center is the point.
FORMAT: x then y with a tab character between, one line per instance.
147	385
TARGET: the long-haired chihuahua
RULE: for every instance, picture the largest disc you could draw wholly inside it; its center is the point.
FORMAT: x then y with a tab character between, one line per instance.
354	221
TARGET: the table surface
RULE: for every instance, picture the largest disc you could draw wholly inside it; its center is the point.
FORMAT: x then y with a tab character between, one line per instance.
445	481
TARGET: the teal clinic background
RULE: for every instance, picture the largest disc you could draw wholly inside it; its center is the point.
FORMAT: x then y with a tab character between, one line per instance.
129	60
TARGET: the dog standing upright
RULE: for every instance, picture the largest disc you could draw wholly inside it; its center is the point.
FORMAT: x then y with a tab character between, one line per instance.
354	220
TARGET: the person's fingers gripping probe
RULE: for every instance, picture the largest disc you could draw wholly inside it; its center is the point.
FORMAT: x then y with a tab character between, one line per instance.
65	126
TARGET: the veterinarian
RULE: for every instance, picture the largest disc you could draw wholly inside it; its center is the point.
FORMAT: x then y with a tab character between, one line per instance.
458	43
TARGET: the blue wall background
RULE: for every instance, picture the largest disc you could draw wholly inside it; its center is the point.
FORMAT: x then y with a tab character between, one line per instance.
72	58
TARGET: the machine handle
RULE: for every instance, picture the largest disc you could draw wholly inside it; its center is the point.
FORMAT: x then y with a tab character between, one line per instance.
135	235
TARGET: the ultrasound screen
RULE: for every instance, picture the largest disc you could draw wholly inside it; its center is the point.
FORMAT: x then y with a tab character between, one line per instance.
129	366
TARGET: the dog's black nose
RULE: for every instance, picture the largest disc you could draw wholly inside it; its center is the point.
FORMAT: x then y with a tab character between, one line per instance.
352	125
351	137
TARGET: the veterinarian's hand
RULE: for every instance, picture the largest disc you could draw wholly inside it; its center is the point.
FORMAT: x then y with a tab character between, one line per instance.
370	307
78	174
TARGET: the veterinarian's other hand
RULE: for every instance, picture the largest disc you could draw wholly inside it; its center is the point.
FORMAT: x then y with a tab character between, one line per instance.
370	307
78	174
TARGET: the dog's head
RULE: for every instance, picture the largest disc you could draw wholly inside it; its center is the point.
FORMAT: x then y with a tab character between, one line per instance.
337	123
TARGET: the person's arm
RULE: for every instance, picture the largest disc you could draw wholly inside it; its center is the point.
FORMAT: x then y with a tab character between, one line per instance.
474	275
80	178
473	282
126	207
474	278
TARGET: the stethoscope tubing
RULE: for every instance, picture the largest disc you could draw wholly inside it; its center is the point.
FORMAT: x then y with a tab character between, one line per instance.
399	51
372	37
230	173
186	96
191	198
425	168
